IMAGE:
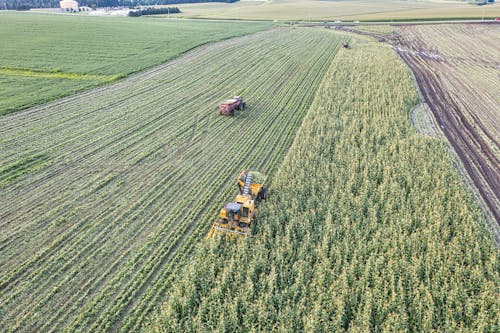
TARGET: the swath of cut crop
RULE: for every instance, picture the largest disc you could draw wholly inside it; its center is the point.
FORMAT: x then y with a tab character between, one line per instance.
138	171
16	169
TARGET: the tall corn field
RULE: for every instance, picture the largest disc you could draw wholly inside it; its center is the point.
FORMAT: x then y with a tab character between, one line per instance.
368	227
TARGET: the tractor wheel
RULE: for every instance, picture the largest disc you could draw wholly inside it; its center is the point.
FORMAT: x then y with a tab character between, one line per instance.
242	106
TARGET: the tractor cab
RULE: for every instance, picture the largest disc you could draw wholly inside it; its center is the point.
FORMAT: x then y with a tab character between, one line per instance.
239	213
231	212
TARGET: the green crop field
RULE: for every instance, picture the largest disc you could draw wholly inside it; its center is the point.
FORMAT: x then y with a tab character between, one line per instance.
114	187
347	10
367	228
48	56
106	195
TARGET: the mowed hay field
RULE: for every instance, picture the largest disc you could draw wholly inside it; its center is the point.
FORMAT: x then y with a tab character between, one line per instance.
367	227
44	57
365	10
105	194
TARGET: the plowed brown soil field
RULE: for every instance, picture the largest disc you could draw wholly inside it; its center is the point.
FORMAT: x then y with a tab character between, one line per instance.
457	70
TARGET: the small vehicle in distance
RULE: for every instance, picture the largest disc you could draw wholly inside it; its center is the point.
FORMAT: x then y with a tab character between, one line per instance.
228	106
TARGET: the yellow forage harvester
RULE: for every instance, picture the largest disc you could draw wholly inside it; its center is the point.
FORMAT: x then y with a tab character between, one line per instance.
236	217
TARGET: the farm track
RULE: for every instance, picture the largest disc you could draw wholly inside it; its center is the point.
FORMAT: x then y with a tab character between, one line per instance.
378	36
467	113
136	173
460	86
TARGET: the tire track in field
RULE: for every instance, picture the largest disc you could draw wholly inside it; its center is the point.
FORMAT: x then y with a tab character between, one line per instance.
443	62
480	161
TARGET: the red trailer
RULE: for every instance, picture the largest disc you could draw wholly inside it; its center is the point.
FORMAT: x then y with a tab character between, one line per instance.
230	105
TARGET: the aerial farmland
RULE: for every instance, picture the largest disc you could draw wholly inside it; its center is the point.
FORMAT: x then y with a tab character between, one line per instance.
376	144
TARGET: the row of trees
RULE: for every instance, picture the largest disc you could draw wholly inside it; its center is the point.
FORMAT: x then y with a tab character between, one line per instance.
27	4
170	2
154	11
368	227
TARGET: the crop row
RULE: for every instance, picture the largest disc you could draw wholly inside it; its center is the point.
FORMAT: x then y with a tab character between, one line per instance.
135	173
368	227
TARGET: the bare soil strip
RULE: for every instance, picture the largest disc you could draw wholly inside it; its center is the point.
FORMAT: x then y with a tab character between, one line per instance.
444	89
456	68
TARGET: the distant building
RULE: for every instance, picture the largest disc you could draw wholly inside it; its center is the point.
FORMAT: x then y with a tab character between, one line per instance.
68	5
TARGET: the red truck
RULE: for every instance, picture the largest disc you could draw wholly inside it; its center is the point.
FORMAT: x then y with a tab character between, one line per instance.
228	106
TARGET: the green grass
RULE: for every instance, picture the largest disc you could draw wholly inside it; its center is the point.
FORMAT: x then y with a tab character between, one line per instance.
137	172
18	92
367	228
55	74
48	56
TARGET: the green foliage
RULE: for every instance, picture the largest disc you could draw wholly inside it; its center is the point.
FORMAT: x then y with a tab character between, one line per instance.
18	92
86	51
368	227
154	11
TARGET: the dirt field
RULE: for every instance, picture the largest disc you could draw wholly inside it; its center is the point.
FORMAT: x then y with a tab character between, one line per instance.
457	70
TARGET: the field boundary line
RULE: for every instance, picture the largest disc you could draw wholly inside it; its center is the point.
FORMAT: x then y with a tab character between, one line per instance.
486	213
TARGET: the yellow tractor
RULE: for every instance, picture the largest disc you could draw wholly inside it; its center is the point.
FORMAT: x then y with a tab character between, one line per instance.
235	218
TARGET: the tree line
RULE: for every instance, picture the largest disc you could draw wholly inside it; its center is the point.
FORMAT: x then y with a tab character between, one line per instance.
154	11
27	4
